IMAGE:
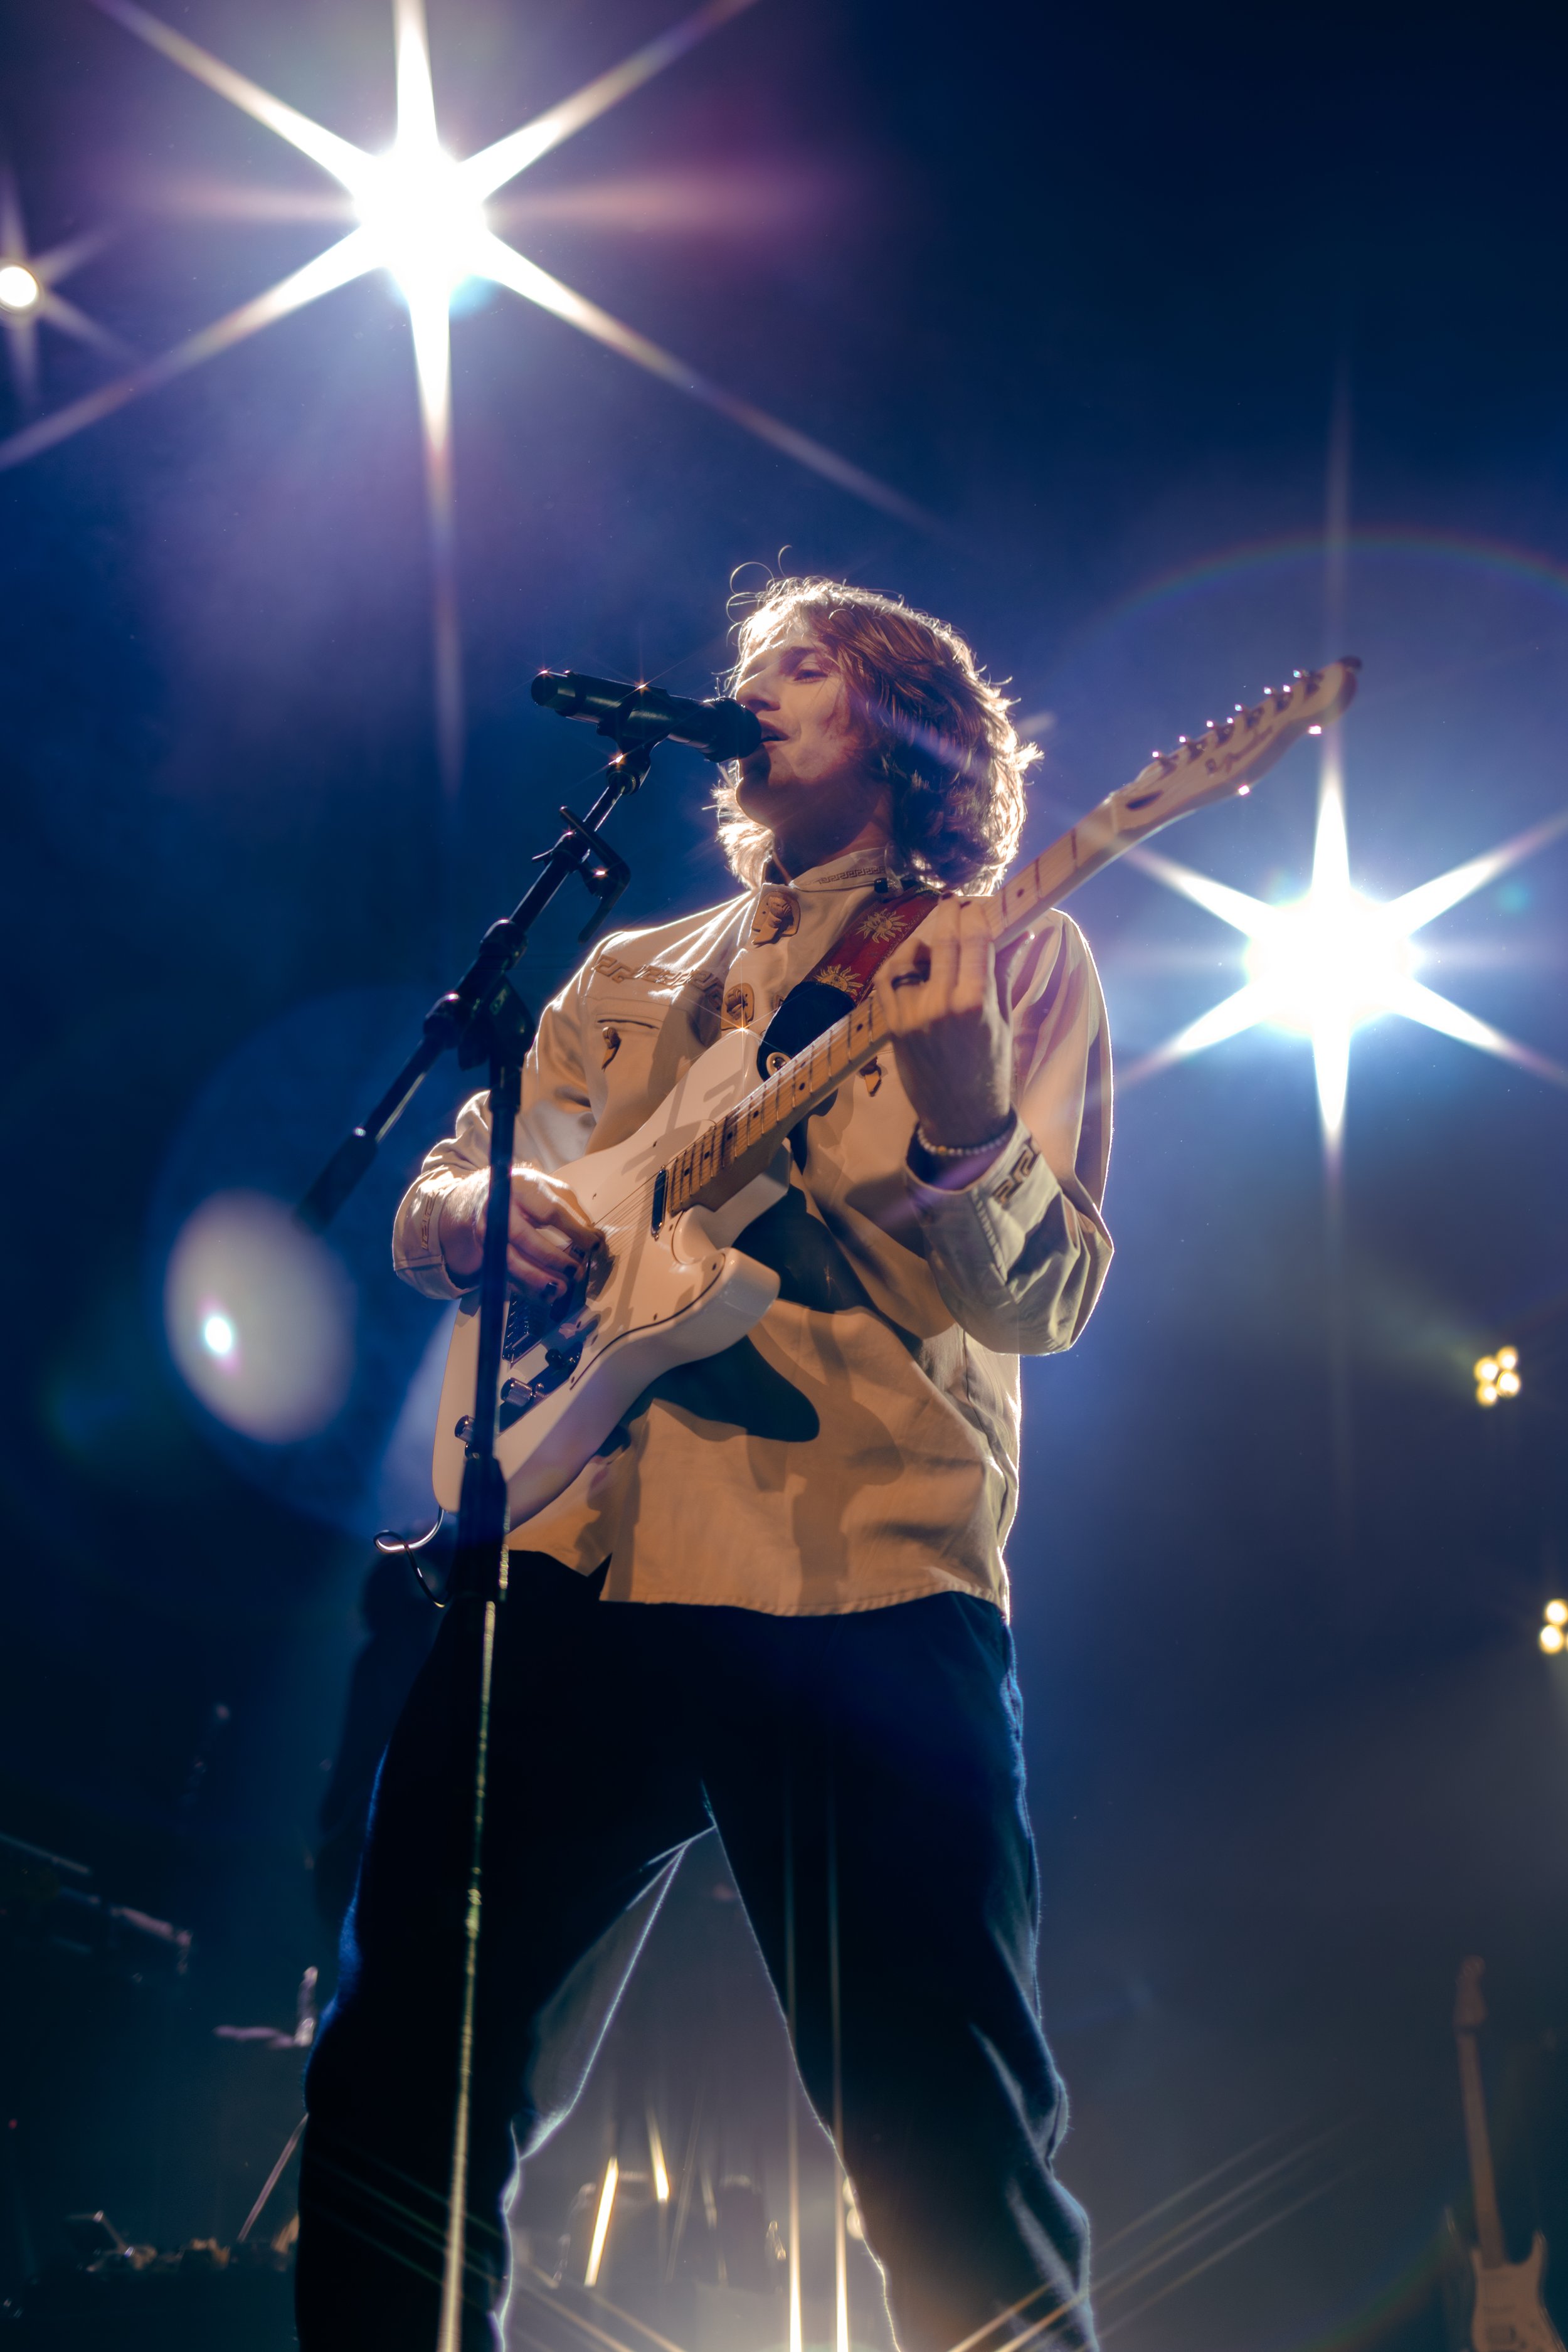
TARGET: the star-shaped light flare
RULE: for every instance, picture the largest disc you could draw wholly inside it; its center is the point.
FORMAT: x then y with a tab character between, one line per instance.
29	291
421	216
1330	961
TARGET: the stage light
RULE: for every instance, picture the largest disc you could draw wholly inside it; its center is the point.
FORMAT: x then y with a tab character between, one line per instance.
1551	1639
422	220
602	2225
1335	959
421	217
1556	1613
1496	1376
19	290
655	2150
1327	961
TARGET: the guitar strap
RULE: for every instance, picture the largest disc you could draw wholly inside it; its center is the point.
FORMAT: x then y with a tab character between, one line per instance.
844	976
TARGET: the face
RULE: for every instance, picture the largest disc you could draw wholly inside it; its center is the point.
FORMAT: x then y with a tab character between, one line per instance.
810	776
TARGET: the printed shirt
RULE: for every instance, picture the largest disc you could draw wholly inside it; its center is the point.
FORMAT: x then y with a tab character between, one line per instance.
860	1447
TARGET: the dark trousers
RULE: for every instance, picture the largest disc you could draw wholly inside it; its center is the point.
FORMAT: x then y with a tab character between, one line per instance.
882	1747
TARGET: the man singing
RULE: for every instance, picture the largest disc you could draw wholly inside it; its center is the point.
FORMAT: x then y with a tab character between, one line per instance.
775	1603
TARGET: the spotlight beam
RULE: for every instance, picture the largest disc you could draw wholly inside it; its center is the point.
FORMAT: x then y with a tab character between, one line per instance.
1434	1012
345	161
493	166
1228	1018
1429	900
72	322
510	268
347	259
1242	913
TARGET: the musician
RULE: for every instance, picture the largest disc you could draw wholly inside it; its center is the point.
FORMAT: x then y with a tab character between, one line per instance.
776	1602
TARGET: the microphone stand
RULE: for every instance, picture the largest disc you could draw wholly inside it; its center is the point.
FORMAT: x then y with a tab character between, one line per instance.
487	1021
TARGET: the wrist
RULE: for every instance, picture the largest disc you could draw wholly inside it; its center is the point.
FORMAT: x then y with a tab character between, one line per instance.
457	1237
953	1165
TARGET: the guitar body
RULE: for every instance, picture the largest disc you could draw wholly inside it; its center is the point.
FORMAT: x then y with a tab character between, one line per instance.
1510	2316
661	1298
672	1198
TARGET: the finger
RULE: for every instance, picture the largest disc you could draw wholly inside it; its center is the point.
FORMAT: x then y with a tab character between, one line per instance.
541	1212
541	1246
974	980
551	1202
542	1291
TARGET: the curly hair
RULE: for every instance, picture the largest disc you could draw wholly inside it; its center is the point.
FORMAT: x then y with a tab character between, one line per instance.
934	726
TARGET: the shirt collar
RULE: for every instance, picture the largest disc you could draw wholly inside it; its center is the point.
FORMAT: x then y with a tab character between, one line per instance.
859	869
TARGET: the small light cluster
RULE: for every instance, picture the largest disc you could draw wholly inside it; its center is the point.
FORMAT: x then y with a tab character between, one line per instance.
1552	1636
1496	1376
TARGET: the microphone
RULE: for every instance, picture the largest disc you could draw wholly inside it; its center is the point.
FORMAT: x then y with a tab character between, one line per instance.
719	729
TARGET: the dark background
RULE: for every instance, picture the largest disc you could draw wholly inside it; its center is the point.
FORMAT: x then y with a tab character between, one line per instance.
1081	283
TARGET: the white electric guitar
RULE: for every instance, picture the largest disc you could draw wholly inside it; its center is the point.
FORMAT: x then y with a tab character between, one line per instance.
1508	2315
672	1200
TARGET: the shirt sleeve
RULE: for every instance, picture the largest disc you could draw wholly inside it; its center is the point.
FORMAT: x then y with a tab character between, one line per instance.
554	1123
1019	1255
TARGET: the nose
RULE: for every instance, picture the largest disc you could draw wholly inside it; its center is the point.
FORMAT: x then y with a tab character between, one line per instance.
755	693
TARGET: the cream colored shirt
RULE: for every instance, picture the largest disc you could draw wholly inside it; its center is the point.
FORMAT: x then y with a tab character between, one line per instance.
861	1446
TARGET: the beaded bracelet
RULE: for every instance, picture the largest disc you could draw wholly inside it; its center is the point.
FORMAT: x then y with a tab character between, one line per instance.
954	1151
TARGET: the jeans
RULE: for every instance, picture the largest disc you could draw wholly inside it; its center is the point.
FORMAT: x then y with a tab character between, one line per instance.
877	1753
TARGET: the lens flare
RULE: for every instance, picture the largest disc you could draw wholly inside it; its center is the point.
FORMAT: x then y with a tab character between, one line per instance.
219	1334
259	1318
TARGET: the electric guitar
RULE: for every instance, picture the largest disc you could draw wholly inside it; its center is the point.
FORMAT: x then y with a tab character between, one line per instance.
671	1201
1508	2314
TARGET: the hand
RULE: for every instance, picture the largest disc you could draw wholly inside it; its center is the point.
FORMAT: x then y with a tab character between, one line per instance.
940	998
551	1240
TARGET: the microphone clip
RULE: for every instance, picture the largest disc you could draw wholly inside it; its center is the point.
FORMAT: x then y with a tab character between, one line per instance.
604	873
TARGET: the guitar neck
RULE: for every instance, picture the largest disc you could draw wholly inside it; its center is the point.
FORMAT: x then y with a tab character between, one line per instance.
734	1148
1213	766
1483	2181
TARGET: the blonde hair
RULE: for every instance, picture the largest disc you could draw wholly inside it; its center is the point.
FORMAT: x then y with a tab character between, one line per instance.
934	726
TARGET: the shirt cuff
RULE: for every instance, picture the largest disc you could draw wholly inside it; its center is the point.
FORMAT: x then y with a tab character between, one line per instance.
985	1224
415	1242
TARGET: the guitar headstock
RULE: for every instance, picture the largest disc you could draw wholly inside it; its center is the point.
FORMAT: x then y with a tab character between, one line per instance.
1469	2009
1233	752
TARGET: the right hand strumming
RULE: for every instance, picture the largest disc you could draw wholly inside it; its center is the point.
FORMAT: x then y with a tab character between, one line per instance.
551	1243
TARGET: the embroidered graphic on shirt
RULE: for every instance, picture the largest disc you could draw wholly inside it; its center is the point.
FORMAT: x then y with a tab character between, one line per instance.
777	917
612	1037
709	986
740	1003
1015	1174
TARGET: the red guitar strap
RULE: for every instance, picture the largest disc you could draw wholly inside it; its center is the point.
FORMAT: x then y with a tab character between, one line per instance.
844	976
